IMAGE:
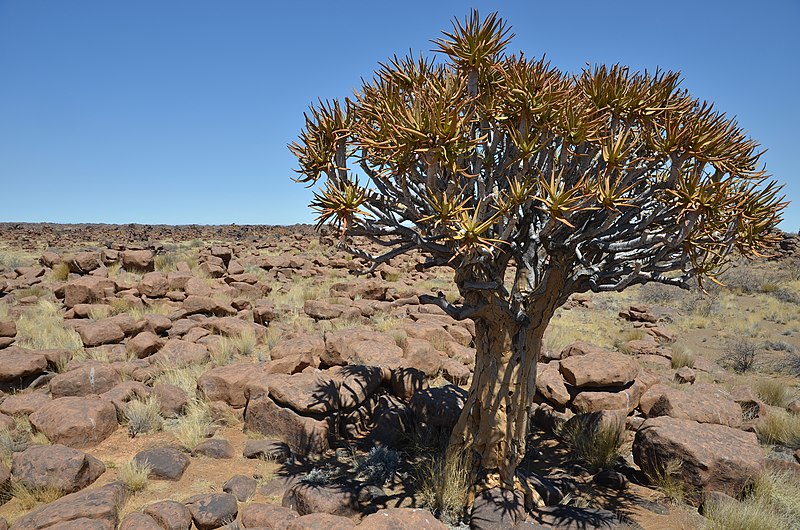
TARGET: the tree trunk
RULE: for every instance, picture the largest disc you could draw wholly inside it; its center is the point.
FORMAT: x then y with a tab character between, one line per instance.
492	428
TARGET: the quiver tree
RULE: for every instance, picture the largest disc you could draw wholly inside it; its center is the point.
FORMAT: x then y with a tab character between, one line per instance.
531	184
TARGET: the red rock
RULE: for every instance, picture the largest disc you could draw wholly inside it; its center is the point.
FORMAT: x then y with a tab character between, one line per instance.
86	290
138	260
17	363
56	466
95	379
312	344
84	509
154	285
599	369
401	519
227	383
100	332
550	384
302	434
715	457
697	405
75	421
257	515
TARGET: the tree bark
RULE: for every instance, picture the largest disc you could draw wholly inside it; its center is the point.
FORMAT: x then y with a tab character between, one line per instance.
491	431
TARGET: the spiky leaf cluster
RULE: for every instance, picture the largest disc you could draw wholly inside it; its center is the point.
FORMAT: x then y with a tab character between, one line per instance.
488	159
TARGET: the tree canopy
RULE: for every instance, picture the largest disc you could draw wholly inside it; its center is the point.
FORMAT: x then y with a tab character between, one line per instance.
489	157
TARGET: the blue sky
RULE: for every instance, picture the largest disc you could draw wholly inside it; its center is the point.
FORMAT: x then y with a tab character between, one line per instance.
179	111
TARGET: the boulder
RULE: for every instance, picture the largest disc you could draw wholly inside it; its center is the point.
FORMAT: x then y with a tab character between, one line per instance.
166	463
170	515
96	508
56	466
82	262
227	383
18	363
86	290
76	421
154	285
100	332
697	405
599	369
334	499
143	344
302	434
212	510
497	509
574	518
267	449
321	521
401	519
138	260
139	521
550	384
312	344
439	407
8	328
214	448
240	486
257	515
177	352
172	400
24	403
714	457
96	378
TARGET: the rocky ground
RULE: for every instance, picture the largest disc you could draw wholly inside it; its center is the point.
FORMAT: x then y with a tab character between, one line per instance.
161	377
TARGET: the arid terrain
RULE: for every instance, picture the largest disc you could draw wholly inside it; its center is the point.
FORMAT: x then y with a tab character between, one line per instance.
177	377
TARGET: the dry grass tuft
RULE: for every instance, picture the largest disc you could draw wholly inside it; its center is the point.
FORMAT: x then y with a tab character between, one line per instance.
134	475
591	440
195	425
772	392
29	498
780	427
42	327
668	479
60	272
143	417
444	484
773	503
682	356
184	377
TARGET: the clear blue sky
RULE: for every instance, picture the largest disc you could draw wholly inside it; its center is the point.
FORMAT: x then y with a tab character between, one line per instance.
179	111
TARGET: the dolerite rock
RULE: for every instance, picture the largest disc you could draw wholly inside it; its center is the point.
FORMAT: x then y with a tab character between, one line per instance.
92	379
212	510
573	518
698	404
321	521
76	421
143	344
100	332
401	519
82	262
24	403
439	407
497	509
166	463
256	515
715	457
267	449
227	383
599	370
170	515
138	260
86	290
56	466
154	285
139	521
215	448
89	509
304	435
335	499
8	329
550	384
18	363
240	486
172	400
